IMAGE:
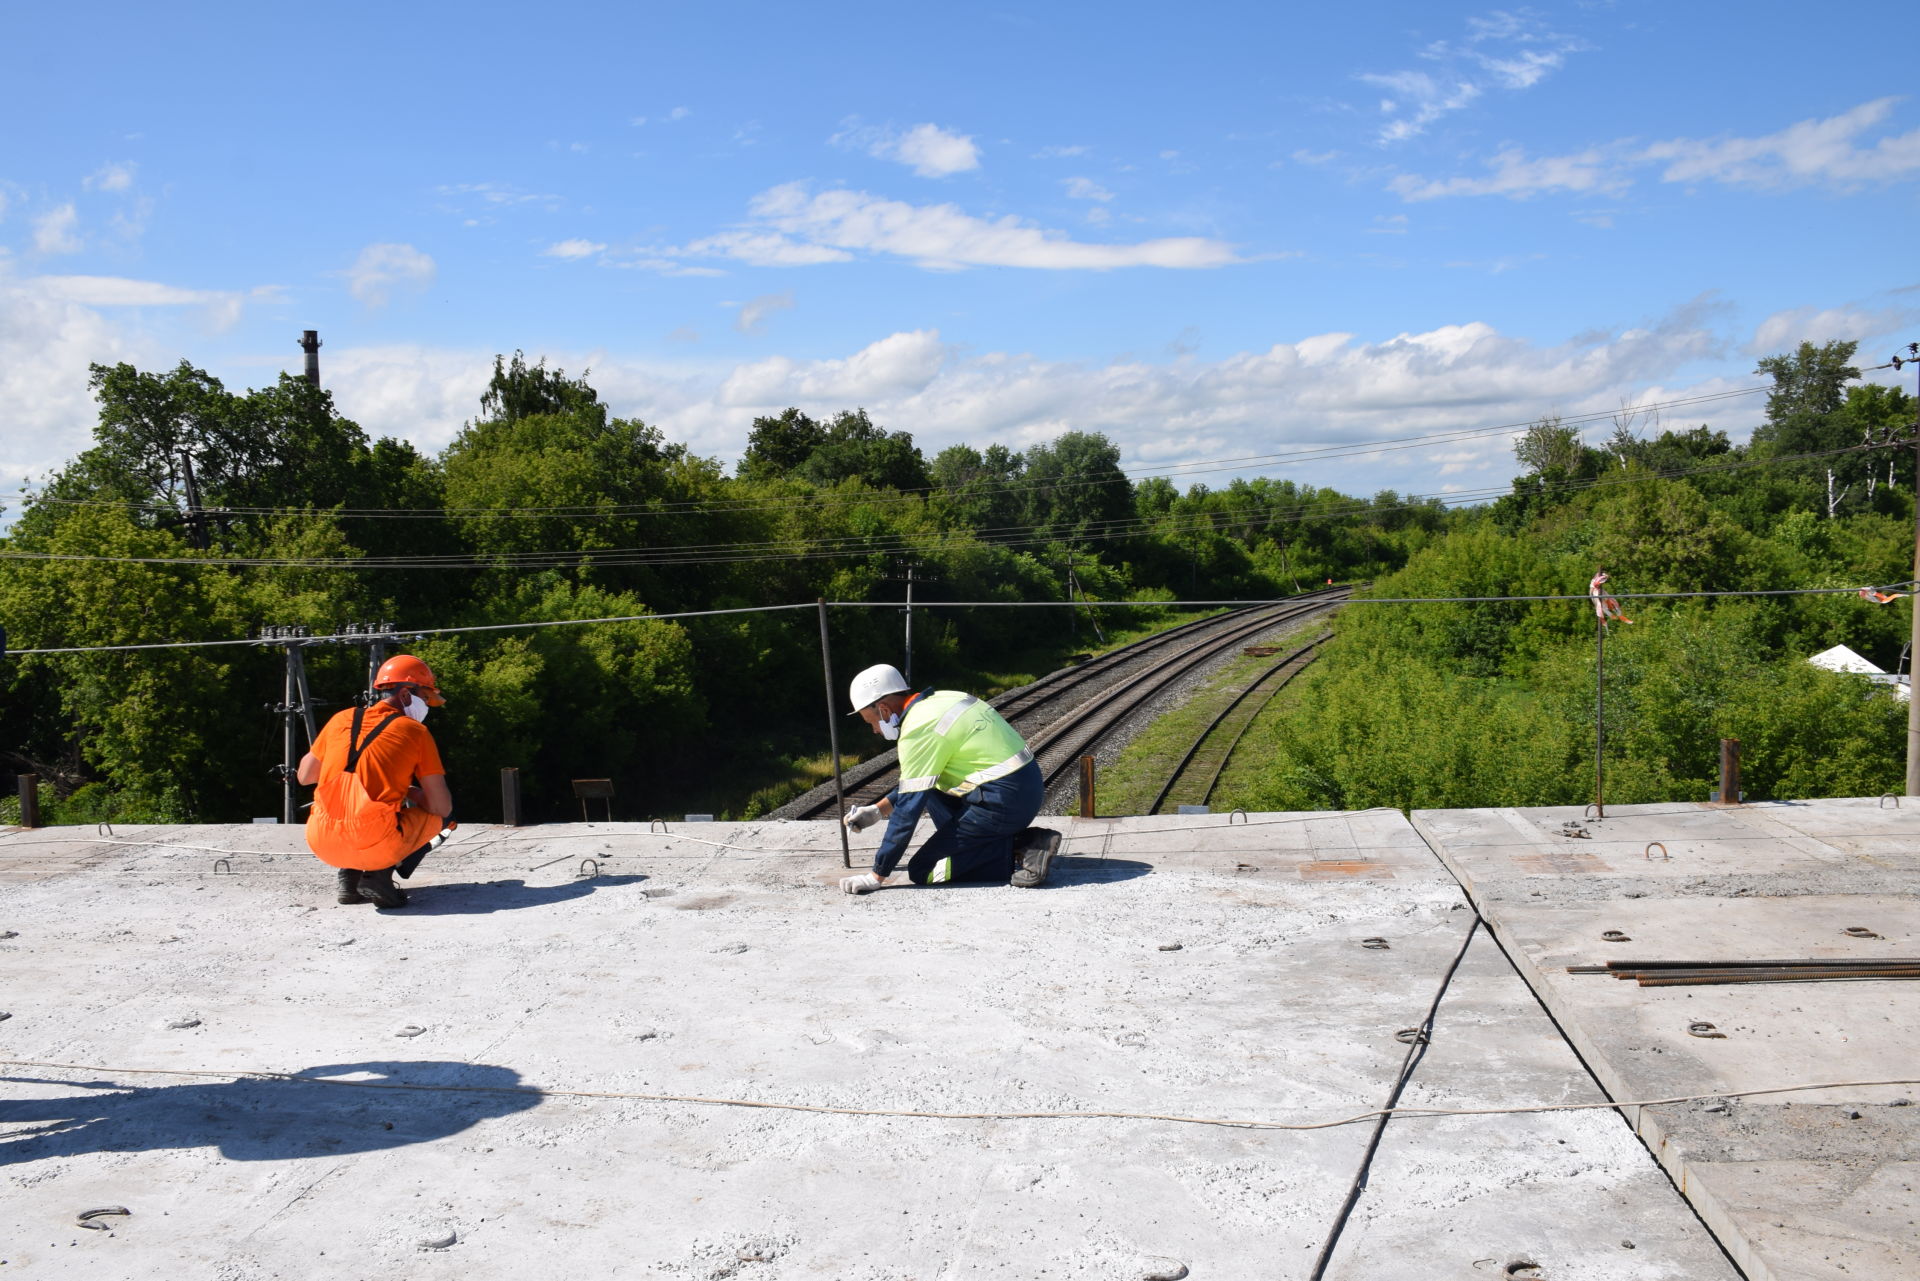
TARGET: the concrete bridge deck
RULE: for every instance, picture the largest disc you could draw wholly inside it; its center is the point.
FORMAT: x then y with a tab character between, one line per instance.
564	993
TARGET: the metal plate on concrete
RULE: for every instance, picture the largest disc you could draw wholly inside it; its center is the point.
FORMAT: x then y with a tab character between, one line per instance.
1749	882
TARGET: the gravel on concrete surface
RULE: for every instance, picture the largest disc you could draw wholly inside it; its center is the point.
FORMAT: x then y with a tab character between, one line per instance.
536	968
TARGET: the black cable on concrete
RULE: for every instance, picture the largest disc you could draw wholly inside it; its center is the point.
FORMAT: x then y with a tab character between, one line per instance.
1415	1053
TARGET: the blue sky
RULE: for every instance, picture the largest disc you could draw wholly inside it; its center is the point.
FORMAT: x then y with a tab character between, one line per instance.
1210	231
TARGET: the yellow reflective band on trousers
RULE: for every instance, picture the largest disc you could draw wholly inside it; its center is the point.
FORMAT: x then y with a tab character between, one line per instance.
942	872
956	742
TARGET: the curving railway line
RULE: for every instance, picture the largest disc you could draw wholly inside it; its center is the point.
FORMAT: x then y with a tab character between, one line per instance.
1065	715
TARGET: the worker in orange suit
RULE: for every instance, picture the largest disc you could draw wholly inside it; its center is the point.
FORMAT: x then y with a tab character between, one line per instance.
382	800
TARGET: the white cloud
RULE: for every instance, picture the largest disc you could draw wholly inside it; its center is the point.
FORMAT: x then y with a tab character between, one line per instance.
1517	177
1388	225
1061	153
54	232
932	152
1508	50
571	249
680	113
1812	151
110	177
1315	389
754	312
1085	189
1786	330
383	269
793	226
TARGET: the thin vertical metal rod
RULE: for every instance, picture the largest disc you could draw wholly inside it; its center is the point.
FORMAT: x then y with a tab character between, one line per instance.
1913	604
1729	771
833	737
289	715
510	796
1086	787
1599	717
909	672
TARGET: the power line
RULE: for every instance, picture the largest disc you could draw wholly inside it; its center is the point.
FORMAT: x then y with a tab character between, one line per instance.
864	545
1325	453
422	632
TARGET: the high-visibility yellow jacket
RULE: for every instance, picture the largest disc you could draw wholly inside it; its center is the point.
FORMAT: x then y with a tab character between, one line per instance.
952	742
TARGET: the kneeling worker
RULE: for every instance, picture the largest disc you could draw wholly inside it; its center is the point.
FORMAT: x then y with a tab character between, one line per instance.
966	769
383	801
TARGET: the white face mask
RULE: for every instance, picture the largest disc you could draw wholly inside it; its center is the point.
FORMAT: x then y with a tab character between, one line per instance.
417	708
890	727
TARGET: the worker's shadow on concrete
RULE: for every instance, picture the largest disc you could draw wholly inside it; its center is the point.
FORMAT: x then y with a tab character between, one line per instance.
255	1120
1071	869
478	898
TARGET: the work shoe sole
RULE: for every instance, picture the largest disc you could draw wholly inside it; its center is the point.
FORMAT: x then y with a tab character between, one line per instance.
1035	849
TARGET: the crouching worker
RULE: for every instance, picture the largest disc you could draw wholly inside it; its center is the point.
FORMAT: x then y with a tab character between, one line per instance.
382	800
964	767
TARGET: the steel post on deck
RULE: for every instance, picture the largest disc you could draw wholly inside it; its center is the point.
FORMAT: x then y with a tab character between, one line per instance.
1729	771
1086	787
29	800
510	796
833	737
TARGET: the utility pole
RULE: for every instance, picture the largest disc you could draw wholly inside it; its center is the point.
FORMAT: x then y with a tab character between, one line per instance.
295	709
1913	708
907	570
196	516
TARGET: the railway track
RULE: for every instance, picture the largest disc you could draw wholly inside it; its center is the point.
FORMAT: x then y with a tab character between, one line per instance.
1192	781
1064	715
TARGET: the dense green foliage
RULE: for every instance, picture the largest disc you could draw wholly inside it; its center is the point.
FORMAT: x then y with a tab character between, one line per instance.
1494	704
266	507
547	507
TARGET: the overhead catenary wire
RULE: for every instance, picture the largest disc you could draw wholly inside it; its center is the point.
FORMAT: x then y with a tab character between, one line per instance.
1580	599
701	1100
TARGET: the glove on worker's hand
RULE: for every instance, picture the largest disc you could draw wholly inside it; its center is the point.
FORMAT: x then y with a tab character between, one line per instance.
861	817
865	883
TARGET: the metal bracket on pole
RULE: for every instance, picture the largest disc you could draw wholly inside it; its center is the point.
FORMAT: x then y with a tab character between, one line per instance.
833	736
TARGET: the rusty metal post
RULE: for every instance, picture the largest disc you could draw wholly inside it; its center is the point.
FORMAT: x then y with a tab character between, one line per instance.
29	800
510	796
1086	787
1729	771
833	737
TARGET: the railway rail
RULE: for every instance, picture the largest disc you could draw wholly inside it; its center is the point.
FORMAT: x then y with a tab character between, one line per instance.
1191	782
1064	715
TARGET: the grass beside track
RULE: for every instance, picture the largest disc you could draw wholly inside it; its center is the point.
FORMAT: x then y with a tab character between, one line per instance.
1129	785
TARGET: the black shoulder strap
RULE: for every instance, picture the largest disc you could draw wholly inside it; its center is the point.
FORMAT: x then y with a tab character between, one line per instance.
359	744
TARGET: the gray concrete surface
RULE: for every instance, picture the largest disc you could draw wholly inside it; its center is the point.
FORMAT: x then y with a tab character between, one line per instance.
1804	1186
737	971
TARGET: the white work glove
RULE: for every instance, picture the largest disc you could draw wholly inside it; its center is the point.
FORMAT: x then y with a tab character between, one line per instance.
861	817
865	883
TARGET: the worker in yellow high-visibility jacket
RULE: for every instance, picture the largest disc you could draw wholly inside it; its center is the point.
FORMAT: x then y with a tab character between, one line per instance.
964	767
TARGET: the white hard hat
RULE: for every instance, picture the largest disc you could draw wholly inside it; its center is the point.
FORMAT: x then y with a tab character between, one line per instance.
874	684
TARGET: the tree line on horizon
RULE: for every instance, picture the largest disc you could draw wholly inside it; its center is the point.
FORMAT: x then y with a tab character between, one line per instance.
546	507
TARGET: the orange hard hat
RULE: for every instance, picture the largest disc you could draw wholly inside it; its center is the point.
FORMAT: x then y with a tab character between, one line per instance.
405	669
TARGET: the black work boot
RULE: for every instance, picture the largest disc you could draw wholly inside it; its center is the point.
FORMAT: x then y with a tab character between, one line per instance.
350	886
1033	850
379	889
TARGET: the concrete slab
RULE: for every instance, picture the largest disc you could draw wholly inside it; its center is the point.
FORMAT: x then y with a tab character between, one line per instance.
530	1005
1805	1185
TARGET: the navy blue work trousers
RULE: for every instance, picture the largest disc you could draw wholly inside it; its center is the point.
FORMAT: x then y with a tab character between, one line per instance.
973	837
